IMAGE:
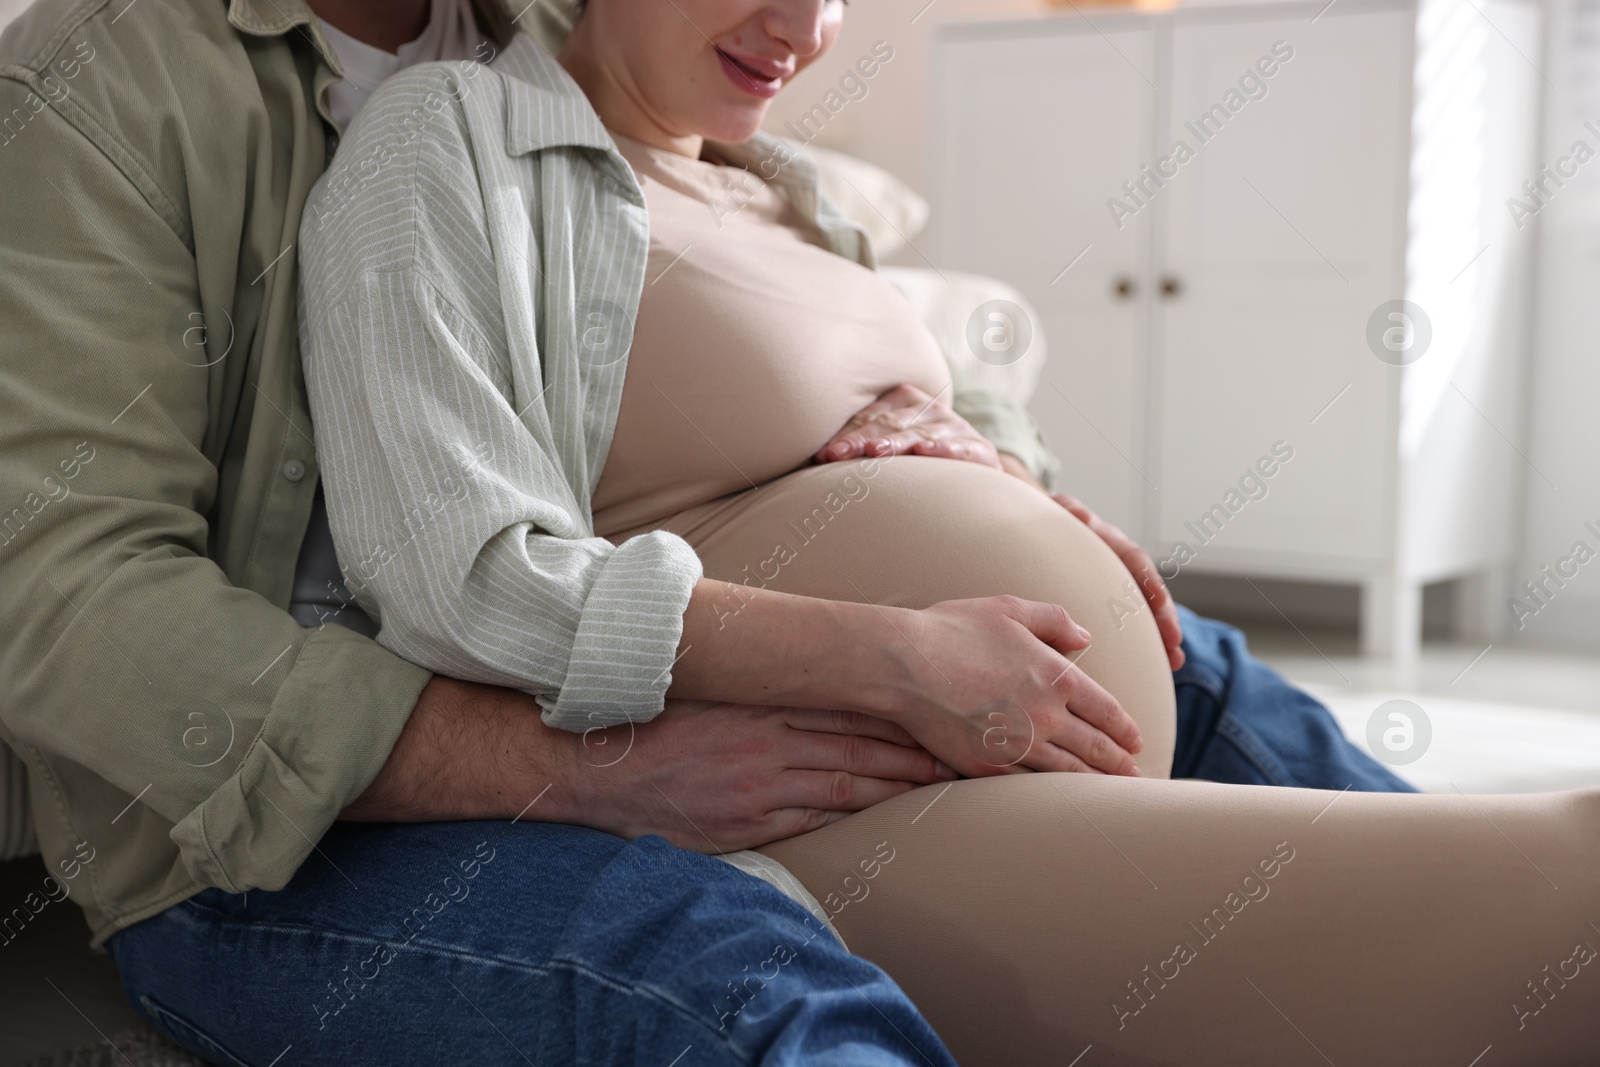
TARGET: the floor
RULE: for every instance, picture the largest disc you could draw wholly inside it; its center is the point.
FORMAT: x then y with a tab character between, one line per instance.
1502	719
54	993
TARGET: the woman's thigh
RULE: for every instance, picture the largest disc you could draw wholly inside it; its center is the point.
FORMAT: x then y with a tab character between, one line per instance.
1174	922
911	531
489	943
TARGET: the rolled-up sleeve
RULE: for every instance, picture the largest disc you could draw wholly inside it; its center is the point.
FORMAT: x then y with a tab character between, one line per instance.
331	722
457	525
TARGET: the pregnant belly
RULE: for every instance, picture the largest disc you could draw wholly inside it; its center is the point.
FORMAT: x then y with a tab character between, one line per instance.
912	531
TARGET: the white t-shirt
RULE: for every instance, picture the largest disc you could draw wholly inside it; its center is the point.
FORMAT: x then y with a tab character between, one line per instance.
451	33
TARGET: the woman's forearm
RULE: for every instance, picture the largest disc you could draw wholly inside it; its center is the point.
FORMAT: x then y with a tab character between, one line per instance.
757	646
966	678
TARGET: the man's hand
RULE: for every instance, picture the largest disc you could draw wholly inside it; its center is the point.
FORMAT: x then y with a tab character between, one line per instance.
718	777
906	420
705	776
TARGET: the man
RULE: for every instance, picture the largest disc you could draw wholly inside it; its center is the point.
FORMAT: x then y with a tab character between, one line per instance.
198	741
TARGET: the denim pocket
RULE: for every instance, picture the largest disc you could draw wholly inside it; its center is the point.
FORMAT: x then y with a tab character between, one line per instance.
189	1035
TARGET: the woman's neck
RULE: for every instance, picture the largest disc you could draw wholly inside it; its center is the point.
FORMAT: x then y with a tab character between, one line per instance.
615	98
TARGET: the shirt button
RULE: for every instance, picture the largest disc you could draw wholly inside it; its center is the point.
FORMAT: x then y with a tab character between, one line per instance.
333	144
294	470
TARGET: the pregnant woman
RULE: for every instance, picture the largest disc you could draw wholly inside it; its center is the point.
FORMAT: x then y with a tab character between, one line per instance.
576	336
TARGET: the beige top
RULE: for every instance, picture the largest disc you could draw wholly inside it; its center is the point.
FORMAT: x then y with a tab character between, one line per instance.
753	344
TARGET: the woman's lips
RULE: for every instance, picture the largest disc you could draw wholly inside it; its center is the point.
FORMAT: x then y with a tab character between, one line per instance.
751	81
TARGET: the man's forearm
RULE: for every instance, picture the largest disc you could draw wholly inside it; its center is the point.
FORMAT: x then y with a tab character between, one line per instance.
469	752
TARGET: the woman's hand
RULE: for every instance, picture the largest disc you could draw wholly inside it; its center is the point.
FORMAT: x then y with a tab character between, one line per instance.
1136	559
1144	572
991	690
906	420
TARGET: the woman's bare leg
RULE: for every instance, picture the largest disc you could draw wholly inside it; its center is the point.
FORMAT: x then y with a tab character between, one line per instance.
1034	916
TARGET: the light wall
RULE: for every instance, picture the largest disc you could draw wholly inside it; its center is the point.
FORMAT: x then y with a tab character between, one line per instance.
1563	446
10	9
887	126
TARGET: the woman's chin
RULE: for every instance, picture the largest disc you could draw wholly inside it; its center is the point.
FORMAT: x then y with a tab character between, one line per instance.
734	125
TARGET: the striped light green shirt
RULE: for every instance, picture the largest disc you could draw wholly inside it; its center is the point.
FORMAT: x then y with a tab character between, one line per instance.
472	264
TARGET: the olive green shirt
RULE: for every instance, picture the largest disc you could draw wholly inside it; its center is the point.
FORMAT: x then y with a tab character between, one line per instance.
157	460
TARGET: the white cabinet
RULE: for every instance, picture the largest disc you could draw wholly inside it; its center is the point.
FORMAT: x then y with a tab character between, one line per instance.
1212	211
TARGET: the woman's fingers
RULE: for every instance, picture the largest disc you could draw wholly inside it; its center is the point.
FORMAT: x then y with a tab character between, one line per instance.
1049	757
877	440
1171	635
968	448
1156	594
1144	572
1050	623
903	421
1051	740
1075	738
882	443
1089	702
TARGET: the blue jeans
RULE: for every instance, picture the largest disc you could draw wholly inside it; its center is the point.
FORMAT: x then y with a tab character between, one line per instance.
491	943
499	943
1239	721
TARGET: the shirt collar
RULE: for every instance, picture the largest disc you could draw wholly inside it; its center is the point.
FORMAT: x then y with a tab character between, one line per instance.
544	106
274	18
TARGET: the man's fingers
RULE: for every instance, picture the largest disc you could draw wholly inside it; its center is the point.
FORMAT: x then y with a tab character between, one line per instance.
834	791
792	822
848	722
863	756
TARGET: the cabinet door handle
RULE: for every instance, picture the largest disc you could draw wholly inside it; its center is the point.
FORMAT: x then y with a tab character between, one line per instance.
1124	287
1171	287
